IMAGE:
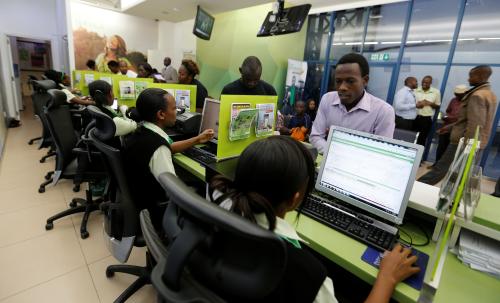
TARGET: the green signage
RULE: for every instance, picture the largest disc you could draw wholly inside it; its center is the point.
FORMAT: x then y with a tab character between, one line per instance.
380	57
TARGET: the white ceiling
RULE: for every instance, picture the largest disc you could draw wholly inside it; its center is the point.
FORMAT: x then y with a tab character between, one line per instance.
180	10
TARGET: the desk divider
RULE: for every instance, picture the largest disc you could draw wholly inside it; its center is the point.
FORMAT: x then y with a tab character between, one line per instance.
225	147
79	82
173	88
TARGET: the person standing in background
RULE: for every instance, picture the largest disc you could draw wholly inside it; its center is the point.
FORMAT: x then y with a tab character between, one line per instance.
168	72
405	105
478	109
451	117
428	100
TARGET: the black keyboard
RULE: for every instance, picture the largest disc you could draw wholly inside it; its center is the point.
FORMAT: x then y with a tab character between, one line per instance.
199	156
349	222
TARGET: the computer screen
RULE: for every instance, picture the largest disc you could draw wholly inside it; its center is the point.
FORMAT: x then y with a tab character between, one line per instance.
290	20
210	117
371	172
203	24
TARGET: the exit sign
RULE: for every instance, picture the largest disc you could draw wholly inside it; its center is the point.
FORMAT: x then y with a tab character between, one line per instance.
380	57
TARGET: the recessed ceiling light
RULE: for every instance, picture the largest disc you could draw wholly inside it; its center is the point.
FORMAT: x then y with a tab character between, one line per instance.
175	9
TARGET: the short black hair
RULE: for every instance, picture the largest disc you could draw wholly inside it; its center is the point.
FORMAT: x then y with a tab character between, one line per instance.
408	79
99	90
147	67
251	65
54	75
484	69
90	64
356	58
149	102
113	63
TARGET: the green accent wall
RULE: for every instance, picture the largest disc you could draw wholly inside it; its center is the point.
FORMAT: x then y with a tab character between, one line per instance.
234	37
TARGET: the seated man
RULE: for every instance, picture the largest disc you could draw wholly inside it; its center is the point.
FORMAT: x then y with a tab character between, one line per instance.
351	106
249	83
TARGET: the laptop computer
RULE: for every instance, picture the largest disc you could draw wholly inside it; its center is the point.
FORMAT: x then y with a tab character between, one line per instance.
209	120
371	176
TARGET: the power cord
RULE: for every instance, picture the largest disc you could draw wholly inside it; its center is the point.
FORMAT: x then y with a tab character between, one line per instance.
410	242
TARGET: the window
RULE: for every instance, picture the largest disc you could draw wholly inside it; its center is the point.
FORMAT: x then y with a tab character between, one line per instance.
348	35
479	39
379	81
317	37
431	30
384	32
419	72
313	81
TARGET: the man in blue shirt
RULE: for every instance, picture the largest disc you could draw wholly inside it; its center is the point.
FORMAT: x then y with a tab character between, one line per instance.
405	104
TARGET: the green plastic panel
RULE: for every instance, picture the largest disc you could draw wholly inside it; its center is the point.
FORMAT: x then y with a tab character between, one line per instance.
225	147
170	86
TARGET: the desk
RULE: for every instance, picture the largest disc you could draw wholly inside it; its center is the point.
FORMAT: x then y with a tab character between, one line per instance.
458	282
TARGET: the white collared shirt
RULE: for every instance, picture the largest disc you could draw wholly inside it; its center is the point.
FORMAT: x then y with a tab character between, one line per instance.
161	160
123	124
405	103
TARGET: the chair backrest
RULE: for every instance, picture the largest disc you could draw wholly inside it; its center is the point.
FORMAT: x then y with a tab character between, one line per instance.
61	128
40	98
228	254
121	222
405	135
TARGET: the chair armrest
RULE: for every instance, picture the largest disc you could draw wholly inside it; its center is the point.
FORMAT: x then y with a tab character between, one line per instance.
82	151
153	241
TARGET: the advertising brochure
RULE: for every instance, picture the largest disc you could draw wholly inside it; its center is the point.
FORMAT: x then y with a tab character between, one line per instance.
241	126
265	119
236	108
89	78
107	79
127	89
139	87
182	98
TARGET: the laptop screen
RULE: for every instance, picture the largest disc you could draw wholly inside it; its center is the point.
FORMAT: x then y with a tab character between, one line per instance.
371	172
210	117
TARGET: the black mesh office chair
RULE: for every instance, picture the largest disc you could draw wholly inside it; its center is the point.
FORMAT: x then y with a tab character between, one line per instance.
121	223
65	139
405	135
213	255
39	99
32	78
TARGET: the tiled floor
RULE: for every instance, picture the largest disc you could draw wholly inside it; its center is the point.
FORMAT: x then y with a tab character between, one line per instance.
57	265
50	266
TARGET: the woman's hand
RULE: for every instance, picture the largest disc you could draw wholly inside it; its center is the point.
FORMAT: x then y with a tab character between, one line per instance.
397	265
205	136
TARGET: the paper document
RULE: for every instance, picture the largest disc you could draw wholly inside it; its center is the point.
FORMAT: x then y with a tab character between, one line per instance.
89	78
127	89
182	98
139	87
265	119
107	79
241	127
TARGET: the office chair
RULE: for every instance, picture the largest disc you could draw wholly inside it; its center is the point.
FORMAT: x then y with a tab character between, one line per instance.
213	255
405	135
32	78
39	98
121	223
67	153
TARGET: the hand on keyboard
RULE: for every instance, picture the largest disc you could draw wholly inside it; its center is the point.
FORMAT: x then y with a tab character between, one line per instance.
397	265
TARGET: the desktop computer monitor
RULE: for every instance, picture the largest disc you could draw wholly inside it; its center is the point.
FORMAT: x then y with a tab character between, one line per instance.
210	117
370	172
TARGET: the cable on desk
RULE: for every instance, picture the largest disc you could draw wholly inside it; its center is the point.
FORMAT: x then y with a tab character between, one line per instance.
426	235
410	242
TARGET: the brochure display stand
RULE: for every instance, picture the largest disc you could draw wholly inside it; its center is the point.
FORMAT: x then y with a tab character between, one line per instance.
458	180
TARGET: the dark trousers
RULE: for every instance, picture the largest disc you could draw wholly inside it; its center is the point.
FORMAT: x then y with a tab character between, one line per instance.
444	141
497	189
423	126
403	123
441	167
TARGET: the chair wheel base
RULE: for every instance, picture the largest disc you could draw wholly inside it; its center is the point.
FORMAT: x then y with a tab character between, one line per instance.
47	177
41	190
109	273
84	234
72	204
49	226
76	188
42	160
30	143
